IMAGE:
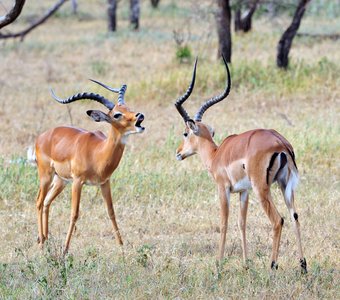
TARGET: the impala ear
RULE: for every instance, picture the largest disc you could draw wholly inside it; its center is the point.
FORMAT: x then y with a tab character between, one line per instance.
192	125
98	116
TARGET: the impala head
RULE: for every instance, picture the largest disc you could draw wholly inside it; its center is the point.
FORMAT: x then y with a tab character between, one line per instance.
119	116
196	132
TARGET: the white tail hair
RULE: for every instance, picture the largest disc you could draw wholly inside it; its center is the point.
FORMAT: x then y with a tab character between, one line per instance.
31	157
292	183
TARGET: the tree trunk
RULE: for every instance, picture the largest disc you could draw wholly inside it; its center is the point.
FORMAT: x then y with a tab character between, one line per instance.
223	18
74	6
154	3
111	11
134	13
244	23
286	40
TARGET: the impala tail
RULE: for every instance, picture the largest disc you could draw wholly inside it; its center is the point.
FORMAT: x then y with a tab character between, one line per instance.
282	168
31	157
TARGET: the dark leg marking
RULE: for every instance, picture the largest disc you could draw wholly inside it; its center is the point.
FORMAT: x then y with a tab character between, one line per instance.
303	265
296	216
271	164
274	265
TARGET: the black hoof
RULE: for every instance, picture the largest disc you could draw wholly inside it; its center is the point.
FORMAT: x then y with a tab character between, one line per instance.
274	265
303	265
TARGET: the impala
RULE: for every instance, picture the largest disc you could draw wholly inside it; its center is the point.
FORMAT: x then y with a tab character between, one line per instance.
68	154
251	160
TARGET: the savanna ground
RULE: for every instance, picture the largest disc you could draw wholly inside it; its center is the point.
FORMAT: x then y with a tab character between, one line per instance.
168	211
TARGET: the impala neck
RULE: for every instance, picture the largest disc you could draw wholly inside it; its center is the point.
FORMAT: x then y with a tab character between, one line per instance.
207	149
113	148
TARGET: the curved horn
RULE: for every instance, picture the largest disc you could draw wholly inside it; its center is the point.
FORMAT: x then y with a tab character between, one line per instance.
210	102
81	96
106	86
122	91
182	99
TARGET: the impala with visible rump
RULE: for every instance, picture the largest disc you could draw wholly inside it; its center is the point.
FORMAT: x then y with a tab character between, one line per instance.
68	154
251	160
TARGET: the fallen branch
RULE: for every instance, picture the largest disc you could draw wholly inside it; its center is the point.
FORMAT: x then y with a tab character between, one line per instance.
12	14
24	32
332	36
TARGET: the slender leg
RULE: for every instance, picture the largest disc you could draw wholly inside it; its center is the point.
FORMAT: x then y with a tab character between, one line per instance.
276	220
43	189
242	221
296	225
106	191
76	192
57	186
224	195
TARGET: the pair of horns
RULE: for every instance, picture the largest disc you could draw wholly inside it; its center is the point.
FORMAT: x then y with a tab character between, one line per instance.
91	96
210	102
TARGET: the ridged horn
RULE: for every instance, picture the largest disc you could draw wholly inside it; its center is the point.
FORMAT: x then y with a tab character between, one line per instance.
82	96
182	99
210	102
122	91
106	86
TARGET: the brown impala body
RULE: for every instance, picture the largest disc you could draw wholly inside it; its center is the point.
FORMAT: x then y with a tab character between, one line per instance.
251	160
66	154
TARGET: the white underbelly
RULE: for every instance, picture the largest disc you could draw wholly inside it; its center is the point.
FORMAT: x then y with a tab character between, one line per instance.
242	185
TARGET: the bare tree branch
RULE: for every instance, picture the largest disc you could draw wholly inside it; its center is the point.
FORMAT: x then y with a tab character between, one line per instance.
38	22
12	14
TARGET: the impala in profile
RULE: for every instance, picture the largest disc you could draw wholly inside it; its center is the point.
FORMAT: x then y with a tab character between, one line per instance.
68	154
251	160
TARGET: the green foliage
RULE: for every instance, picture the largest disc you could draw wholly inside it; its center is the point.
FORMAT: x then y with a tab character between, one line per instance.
183	54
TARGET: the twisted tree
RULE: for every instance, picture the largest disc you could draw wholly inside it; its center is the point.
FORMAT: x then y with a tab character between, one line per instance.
286	40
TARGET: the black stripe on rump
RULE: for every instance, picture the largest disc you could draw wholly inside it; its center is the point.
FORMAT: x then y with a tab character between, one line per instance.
292	154
271	164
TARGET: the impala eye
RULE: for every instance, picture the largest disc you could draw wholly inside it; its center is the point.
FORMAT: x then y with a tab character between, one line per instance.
117	115
185	134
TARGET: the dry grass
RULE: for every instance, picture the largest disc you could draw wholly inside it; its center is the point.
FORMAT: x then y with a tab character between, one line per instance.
167	211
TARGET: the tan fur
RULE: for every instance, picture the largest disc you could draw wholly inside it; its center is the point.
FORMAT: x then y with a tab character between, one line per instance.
71	154
241	160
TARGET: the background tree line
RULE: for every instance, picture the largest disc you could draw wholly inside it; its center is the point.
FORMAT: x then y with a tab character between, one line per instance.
241	11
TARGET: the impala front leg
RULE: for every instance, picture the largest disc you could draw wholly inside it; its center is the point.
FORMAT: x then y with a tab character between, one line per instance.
106	191
224	195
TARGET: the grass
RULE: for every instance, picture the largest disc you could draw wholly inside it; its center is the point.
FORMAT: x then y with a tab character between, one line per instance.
167	211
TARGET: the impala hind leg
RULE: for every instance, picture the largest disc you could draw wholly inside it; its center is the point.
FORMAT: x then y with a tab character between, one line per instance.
242	221
56	188
106	192
224	195
76	193
275	219
45	181
296	225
